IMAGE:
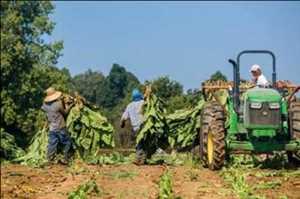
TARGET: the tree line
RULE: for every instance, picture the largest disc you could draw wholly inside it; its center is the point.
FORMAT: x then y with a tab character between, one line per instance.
29	66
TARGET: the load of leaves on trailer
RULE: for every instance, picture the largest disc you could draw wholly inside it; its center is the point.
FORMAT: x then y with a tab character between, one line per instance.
184	126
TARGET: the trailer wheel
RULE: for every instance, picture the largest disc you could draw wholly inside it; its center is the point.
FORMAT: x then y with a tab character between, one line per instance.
212	136
294	125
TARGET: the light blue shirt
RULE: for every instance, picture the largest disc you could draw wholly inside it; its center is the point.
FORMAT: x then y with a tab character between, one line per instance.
134	113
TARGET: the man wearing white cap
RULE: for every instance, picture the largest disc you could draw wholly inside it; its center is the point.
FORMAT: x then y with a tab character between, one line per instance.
56	113
258	78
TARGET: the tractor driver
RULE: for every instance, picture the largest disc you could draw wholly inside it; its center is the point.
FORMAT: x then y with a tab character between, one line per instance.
258	78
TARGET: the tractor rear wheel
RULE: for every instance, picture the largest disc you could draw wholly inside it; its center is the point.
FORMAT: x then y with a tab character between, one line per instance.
212	136
294	123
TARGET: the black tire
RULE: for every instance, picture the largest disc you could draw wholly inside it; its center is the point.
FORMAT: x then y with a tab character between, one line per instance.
212	133
294	125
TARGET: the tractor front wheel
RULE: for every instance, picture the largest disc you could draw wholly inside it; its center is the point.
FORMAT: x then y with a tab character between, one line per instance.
212	136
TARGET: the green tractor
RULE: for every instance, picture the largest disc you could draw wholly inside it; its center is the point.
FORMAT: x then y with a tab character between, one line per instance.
249	120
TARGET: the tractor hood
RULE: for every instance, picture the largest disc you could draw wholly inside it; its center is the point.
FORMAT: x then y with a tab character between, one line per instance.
262	110
262	95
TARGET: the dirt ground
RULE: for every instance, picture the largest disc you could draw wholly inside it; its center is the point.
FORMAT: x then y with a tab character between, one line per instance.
132	182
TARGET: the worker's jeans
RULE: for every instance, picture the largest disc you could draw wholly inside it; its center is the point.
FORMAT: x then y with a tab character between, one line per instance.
140	153
54	139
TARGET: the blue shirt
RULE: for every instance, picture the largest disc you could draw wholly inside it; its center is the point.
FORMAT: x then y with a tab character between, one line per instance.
134	113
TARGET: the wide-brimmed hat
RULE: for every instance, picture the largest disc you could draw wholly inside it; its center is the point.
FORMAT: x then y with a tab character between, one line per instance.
52	94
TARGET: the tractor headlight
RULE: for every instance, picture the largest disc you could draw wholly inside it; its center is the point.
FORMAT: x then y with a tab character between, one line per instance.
274	105
255	105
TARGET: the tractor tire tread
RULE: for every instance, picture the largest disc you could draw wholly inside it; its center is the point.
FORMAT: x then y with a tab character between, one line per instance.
213	118
294	113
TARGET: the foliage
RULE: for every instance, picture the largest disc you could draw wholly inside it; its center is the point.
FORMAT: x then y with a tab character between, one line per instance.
193	96
112	159
184	126
153	132
170	91
218	75
122	174
8	147
236	174
36	152
90	130
26	64
115	87
84	191
175	159
165	88
166	187
88	84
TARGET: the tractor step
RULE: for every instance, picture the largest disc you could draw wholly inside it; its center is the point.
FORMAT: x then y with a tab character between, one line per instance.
262	147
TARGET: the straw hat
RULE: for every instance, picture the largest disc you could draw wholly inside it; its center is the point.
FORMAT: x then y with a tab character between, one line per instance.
52	94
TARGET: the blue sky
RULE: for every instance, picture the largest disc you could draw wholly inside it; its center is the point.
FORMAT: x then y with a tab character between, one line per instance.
186	40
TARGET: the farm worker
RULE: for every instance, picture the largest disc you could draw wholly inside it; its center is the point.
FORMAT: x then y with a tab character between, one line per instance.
133	112
258	78
56	112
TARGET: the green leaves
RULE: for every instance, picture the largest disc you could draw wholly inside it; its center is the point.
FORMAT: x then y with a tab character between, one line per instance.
26	64
90	131
166	187
85	191
36	152
8	147
153	132
183	126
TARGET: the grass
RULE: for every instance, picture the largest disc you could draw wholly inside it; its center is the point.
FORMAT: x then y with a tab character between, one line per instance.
268	185
165	186
192	175
84	191
239	168
122	174
175	159
236	174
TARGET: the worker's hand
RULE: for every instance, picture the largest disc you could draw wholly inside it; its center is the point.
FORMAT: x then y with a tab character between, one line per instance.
122	124
147	91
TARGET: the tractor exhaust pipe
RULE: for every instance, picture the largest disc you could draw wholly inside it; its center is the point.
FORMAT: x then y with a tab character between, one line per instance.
236	83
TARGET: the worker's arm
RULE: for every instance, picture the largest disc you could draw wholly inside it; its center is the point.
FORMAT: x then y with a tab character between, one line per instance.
148	92
64	110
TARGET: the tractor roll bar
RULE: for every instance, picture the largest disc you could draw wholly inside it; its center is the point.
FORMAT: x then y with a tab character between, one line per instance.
236	87
260	52
237	78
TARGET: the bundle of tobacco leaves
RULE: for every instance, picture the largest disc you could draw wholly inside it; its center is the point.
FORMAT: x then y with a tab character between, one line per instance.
154	130
184	126
88	129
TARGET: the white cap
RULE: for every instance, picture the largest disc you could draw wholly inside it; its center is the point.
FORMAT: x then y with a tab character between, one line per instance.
255	67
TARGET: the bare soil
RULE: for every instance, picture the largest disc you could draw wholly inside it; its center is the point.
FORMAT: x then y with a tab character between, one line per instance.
131	181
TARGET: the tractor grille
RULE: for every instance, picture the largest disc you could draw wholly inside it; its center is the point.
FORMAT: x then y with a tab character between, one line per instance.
262	117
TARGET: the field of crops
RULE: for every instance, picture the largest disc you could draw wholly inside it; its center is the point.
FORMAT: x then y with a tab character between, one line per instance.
181	176
99	171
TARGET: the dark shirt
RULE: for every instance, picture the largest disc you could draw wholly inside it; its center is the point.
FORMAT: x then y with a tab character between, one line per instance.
55	113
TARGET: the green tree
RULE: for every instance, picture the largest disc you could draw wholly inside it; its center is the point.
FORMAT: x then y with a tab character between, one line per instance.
193	96
218	75
26	62
89	84
166	88
116	87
